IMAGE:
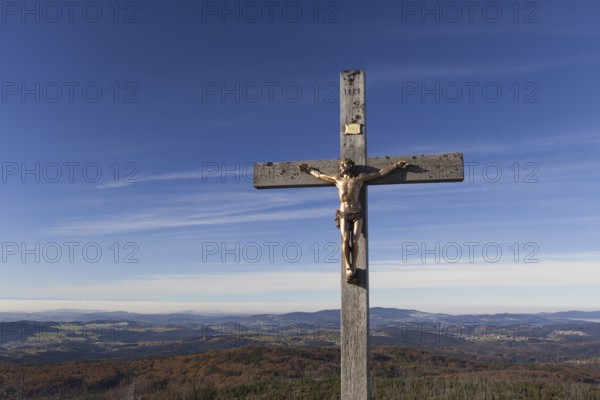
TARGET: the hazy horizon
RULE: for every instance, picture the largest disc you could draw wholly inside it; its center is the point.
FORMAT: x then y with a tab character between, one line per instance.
175	308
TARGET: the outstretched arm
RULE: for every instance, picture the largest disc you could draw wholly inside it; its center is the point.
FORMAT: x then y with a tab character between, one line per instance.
316	173
386	170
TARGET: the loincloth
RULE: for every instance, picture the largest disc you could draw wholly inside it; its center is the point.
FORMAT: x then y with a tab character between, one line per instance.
349	217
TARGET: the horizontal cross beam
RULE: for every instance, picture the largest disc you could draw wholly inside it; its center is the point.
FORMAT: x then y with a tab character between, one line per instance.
422	169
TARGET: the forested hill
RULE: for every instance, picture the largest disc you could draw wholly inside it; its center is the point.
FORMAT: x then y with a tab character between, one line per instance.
267	372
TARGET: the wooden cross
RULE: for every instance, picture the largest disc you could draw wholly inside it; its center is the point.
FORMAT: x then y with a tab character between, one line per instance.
355	297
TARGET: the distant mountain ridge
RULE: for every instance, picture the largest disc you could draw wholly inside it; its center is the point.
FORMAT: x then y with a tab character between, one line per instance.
379	316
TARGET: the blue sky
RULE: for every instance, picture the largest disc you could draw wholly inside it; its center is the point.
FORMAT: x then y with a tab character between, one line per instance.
129	130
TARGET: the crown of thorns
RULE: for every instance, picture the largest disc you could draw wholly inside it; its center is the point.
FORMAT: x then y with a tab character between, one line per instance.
347	161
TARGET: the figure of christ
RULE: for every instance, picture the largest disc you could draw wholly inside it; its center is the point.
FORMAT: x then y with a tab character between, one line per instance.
349	216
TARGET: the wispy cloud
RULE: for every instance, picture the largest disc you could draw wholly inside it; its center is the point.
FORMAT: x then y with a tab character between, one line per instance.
199	291
203	174
395	274
199	286
163	219
215	208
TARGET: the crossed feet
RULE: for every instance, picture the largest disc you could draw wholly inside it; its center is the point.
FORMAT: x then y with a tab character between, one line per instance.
351	277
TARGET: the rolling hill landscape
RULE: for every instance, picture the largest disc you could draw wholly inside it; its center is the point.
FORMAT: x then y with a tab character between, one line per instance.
415	355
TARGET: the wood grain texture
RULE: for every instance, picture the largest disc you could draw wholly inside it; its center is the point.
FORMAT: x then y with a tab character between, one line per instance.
424	168
355	297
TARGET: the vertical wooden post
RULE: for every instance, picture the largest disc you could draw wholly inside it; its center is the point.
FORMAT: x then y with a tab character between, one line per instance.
355	298
353	145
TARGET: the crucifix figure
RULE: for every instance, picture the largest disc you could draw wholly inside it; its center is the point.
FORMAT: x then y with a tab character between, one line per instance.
354	346
349	216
